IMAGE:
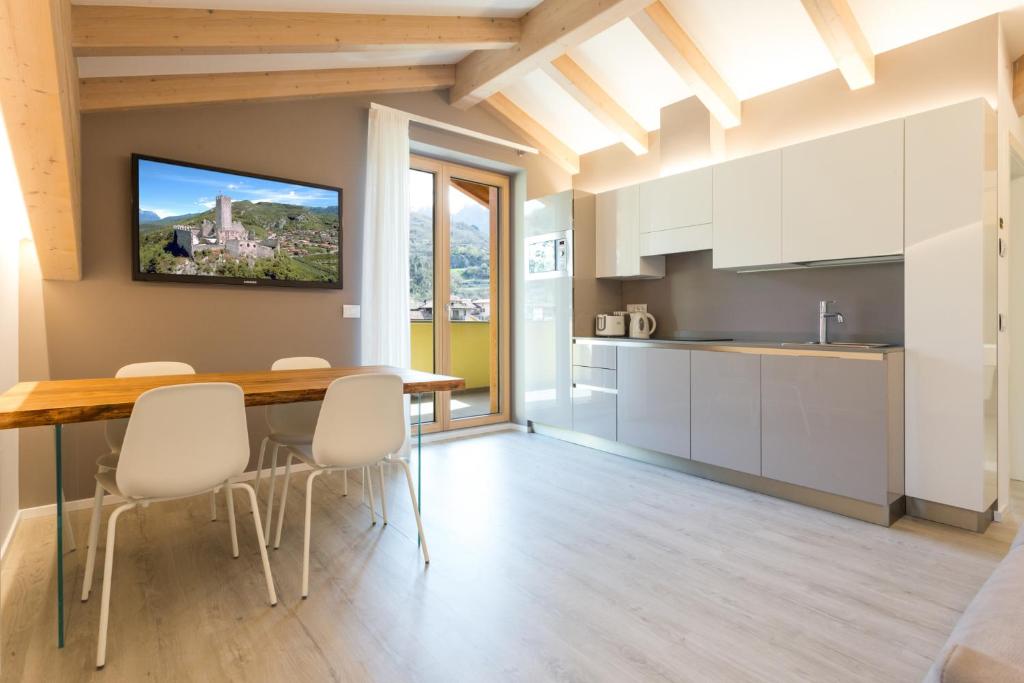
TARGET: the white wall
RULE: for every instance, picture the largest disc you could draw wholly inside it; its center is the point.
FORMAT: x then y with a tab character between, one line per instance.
1016	308
12	231
1011	393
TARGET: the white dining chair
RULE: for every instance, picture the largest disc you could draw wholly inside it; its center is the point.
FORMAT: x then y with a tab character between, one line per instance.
162	459
362	423
289	424
114	434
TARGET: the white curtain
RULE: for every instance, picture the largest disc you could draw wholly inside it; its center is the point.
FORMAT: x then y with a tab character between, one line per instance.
384	327
385	286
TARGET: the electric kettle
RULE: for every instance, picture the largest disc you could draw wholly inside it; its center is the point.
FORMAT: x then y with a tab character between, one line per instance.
641	324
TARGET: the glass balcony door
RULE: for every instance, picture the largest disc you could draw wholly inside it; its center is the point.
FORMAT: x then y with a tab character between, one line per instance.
459	289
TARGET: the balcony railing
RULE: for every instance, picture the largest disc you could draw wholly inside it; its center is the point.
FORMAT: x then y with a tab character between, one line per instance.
471	350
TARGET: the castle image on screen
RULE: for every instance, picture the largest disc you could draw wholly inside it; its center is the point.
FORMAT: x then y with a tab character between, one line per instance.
263	230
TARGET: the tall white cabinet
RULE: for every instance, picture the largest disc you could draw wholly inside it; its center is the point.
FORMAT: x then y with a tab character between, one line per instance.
842	196
950	314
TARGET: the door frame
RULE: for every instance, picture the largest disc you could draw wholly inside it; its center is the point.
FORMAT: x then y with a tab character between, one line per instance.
500	357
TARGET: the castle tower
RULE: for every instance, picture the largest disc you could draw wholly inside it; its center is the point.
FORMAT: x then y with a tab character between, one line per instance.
222	212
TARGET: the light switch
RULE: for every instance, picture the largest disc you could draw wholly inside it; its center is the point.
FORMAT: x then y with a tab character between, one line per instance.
350	311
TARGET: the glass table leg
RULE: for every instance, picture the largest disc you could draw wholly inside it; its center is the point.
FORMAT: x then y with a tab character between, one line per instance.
419	457
60	534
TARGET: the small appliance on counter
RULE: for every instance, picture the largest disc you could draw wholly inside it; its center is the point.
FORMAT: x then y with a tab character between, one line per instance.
641	323
611	324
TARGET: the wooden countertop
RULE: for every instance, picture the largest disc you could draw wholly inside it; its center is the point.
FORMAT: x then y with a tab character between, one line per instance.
764	348
33	404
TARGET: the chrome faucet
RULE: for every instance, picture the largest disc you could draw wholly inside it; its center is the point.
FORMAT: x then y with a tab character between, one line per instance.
823	316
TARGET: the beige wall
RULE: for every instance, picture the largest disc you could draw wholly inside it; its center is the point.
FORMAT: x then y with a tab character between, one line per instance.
90	328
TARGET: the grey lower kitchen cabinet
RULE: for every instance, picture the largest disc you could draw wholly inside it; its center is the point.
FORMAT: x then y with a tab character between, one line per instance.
725	410
829	424
594	401
654	399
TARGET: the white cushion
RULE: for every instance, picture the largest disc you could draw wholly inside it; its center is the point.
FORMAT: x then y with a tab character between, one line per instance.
993	624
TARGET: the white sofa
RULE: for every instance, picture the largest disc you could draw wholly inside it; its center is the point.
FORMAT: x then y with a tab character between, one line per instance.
987	643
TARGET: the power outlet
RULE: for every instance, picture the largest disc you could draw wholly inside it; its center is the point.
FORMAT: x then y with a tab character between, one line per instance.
350	311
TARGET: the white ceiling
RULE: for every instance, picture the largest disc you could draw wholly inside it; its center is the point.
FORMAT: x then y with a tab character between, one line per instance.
757	46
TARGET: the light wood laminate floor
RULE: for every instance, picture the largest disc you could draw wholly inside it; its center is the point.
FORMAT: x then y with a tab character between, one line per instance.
550	562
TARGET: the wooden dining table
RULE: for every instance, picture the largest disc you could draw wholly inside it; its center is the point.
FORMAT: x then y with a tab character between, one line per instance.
59	402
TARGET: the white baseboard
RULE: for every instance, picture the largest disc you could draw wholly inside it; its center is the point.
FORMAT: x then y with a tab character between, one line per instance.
110	499
9	536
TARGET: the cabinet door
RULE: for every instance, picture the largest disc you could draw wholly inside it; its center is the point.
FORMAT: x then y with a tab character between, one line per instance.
842	196
618	237
548	214
676	201
676	240
594	402
824	425
654	399
748	211
726	410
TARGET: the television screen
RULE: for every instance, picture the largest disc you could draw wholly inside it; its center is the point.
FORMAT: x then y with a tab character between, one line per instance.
196	223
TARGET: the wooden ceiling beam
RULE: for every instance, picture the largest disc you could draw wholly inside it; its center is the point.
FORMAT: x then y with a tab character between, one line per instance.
548	30
574	80
39	95
117	30
845	40
133	92
535	134
675	45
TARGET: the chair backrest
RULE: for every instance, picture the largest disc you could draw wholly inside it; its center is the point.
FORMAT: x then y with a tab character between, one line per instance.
183	439
295	418
362	420
114	429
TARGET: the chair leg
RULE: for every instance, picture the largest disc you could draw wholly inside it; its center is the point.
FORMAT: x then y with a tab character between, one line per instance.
284	499
415	510
305	536
213	507
369	487
231	520
271	592
344	484
383	496
108	569
259	465
270	496
94	532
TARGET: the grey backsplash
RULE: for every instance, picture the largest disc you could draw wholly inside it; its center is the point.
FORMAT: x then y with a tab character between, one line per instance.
779	305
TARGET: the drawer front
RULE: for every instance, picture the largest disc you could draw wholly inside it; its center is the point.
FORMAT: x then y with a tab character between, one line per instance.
601	378
593	355
593	411
676	240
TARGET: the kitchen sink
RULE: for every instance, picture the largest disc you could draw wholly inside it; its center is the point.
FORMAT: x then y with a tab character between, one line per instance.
840	345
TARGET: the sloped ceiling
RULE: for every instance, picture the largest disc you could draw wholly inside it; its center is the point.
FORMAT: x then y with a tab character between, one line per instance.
757	46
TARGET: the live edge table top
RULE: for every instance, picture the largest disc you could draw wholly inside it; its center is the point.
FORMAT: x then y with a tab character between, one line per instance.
34	404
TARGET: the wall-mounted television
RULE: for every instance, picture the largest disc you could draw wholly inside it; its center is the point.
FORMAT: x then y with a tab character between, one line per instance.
193	223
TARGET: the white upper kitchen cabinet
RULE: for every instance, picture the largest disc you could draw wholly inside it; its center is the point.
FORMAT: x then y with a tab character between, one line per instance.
748	211
842	196
676	201
618	237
